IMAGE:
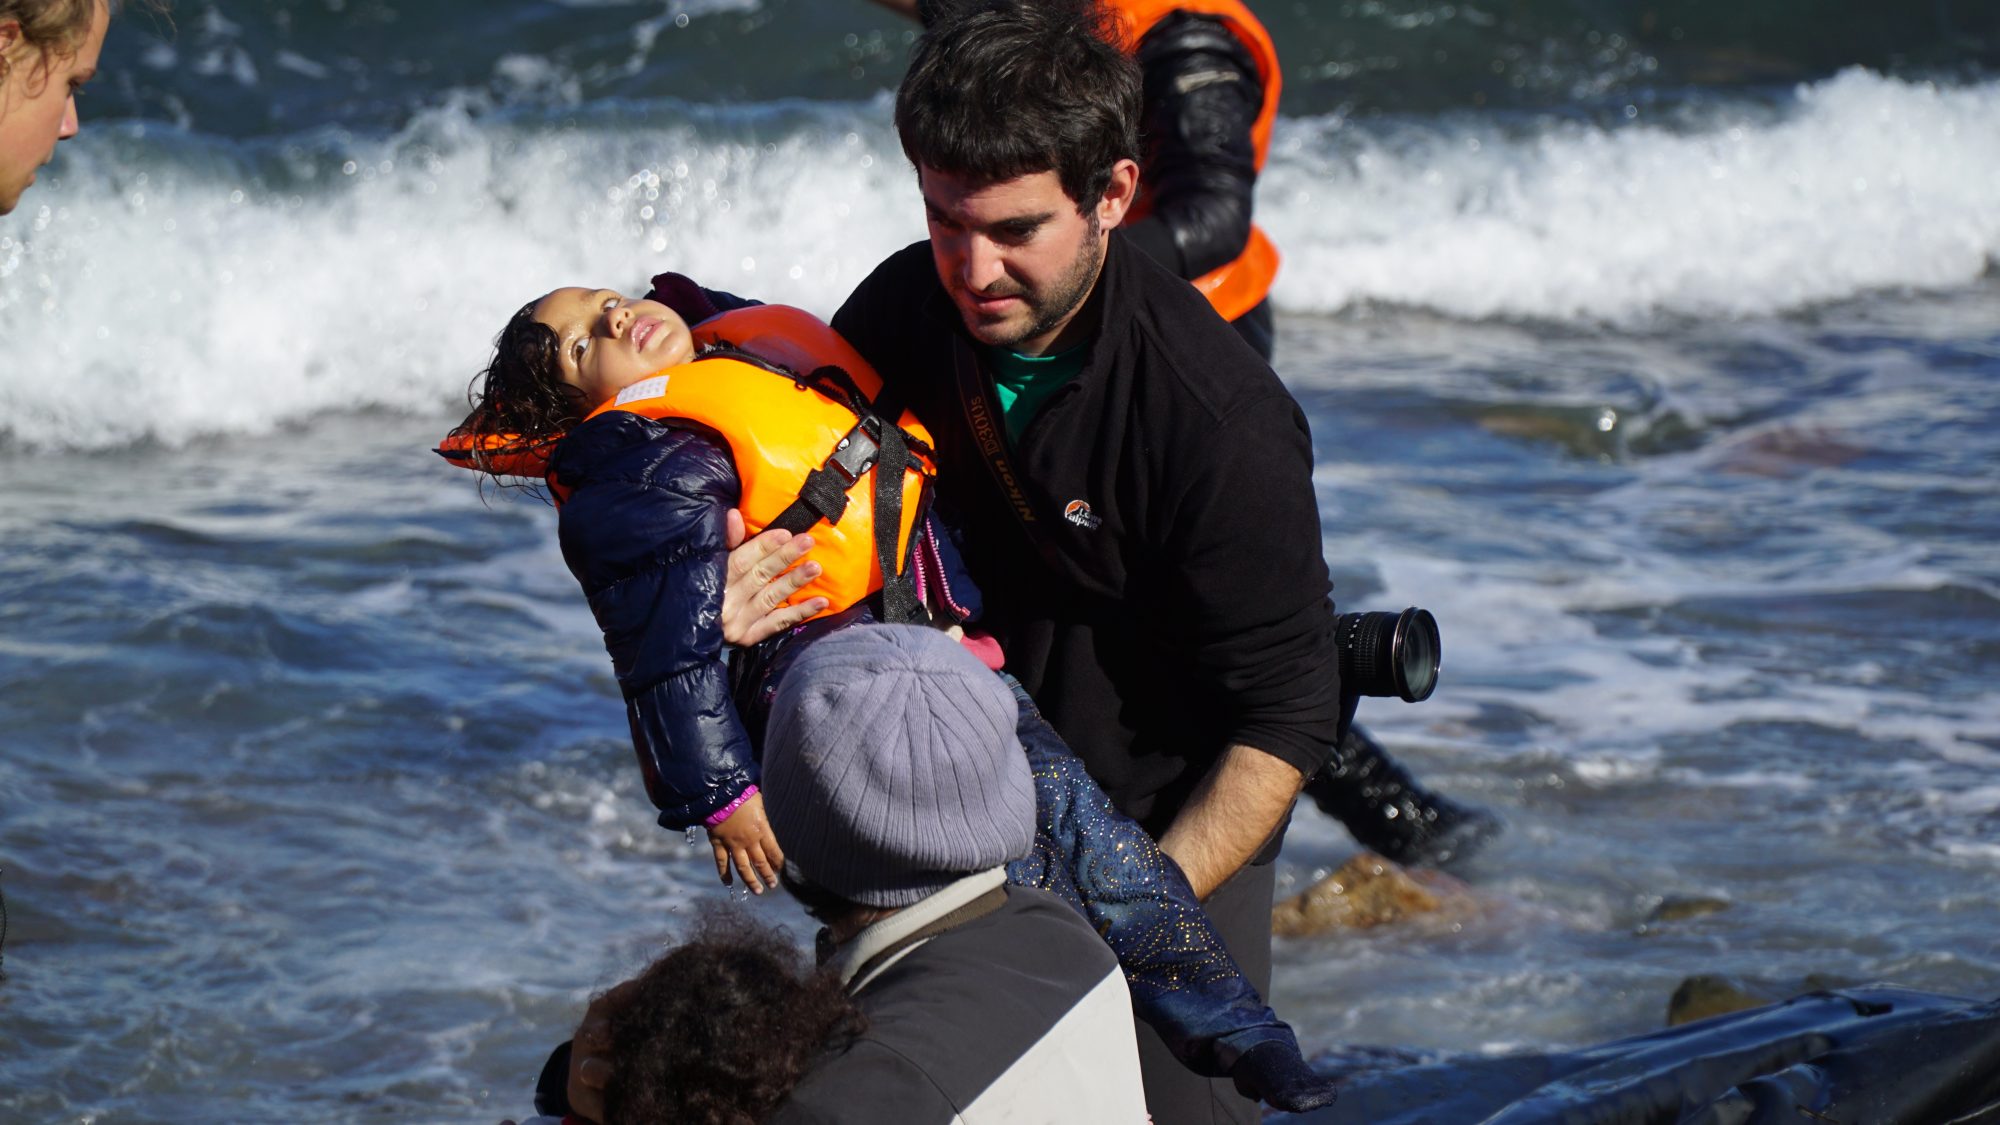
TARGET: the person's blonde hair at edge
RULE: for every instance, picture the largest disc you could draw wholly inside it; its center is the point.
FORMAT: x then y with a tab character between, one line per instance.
53	27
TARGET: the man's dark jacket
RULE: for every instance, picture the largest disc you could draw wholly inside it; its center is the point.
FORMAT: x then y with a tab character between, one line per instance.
1174	598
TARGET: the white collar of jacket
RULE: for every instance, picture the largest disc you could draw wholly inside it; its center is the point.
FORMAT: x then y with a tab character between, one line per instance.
870	943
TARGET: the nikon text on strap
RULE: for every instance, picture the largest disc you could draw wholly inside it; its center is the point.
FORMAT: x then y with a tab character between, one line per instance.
989	430
989	434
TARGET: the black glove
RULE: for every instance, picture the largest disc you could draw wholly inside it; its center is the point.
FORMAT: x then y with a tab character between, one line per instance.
1273	1073
552	1088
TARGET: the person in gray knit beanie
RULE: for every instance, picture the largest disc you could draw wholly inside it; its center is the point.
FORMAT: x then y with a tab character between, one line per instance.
891	767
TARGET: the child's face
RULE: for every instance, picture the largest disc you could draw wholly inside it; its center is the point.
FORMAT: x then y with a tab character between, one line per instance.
608	342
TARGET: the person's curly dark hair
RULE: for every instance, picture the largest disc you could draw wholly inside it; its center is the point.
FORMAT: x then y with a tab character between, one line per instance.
720	1029
520	396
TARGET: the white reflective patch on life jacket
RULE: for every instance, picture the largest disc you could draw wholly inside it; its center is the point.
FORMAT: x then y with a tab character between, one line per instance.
644	388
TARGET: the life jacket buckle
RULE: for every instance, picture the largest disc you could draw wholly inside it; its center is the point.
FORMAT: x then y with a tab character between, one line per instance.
857	452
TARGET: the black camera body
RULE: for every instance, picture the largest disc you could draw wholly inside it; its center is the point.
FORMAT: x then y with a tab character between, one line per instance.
1389	654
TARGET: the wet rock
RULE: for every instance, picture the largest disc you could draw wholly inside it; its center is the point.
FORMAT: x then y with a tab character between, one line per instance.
1679	908
1583	431
1715	994
1700	997
1785	452
1368	891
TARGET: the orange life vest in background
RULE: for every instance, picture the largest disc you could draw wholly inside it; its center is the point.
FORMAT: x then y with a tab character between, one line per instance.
1238	286
801	434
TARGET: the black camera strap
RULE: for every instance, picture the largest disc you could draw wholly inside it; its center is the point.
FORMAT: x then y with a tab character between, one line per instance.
989	429
989	433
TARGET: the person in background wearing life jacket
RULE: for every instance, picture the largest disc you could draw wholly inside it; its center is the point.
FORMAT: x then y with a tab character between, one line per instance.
1210	96
649	432
48	50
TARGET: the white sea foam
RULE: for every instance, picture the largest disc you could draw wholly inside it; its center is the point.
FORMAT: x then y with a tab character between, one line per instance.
1865	182
169	285
232	292
1521	636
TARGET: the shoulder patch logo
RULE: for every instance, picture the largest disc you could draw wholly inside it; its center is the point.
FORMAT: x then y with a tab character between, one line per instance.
1078	512
645	388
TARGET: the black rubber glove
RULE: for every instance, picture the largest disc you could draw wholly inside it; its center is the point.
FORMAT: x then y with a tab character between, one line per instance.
552	1088
1274	1074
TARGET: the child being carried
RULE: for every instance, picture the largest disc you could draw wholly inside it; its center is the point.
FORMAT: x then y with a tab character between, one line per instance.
649	432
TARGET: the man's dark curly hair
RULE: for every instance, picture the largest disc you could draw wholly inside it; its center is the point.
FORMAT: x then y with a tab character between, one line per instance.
1004	88
720	1030
521	394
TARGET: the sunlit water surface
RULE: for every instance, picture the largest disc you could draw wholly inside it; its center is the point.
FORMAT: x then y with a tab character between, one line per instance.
1662	373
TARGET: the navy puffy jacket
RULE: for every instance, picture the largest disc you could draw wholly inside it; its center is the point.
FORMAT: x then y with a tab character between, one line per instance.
642	532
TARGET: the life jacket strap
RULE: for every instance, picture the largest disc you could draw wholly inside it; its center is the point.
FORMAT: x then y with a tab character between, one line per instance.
824	494
835	383
871	444
900	605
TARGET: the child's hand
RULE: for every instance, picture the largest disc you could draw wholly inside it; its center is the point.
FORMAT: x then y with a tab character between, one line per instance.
746	840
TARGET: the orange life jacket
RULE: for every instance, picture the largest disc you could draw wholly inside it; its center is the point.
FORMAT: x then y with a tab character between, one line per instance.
1237	286
792	400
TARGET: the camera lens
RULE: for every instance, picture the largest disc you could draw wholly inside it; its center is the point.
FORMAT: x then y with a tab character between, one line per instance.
1389	654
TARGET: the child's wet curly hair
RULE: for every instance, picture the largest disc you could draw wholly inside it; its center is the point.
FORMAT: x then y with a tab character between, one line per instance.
521	395
720	1030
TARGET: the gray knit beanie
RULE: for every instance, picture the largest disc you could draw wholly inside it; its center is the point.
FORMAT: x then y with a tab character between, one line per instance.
891	767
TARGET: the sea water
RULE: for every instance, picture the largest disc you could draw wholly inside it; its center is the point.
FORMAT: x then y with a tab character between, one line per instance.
1652	348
